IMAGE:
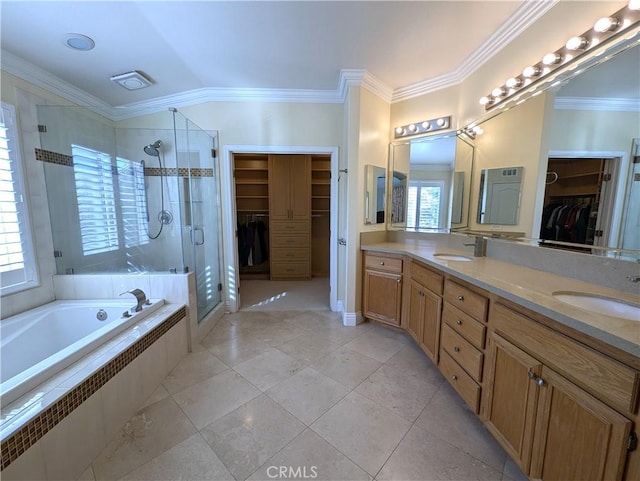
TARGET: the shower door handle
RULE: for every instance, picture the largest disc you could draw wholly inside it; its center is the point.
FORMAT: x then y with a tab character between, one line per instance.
194	238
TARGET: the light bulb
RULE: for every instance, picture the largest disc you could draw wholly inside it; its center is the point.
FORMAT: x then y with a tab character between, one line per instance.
577	43
530	72
498	92
441	122
551	58
412	128
399	130
478	130
606	24
634	4
426	125
513	82
486	100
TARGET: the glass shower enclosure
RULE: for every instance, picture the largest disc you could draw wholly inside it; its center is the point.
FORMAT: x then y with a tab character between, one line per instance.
133	200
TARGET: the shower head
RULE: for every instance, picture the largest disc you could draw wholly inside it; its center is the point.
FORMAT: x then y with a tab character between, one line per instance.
152	149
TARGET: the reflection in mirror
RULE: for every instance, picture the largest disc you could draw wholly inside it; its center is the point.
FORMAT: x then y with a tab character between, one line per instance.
456	197
374	194
462	183
428	199
499	200
398	199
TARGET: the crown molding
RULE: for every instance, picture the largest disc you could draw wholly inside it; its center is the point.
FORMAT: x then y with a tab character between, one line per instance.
597	103
527	14
362	78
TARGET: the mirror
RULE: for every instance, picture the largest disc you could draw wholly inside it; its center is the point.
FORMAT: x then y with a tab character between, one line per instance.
576	144
499	201
374	194
431	175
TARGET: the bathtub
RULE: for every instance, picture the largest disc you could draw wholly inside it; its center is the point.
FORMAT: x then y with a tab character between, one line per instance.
38	343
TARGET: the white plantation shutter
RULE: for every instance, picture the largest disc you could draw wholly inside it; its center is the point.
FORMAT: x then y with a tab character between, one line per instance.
423	205
133	202
17	265
96	200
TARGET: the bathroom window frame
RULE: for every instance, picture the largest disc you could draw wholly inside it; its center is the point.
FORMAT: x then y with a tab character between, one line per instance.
26	276
419	185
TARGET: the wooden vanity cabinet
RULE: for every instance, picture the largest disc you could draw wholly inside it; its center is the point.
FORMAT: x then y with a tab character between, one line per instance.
554	425
382	290
425	307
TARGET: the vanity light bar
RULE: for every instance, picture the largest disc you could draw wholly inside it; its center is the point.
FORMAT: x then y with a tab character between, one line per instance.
604	29
423	127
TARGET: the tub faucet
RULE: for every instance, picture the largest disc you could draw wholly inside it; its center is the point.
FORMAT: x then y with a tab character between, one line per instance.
140	296
479	246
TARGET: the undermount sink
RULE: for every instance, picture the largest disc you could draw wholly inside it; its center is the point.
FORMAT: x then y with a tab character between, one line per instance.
600	304
452	257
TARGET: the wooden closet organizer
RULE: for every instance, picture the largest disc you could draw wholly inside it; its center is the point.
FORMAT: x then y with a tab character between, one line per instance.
286	198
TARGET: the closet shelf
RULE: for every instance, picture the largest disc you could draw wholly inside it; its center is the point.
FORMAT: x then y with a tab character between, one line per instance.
251	181
577	176
252	196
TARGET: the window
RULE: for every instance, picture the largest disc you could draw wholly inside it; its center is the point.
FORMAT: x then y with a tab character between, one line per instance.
133	202
96	200
423	205
17	260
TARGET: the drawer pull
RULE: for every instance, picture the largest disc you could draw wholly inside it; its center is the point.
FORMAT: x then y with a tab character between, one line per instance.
454	377
540	381
531	375
381	263
461	298
458	322
456	348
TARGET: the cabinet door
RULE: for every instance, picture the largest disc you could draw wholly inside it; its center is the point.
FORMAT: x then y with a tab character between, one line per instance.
300	186
279	195
430	338
510	398
576	435
416	310
382	296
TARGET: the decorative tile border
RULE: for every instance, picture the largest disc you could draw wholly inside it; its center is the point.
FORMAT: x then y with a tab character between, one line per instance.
34	430
180	172
54	157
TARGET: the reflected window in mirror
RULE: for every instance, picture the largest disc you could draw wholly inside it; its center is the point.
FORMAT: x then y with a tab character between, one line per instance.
424	205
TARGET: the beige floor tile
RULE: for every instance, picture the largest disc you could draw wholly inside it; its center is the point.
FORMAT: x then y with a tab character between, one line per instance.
512	471
269	368
241	348
215	397
193	368
337	333
308	394
157	395
362	430
191	460
376	345
448	417
247	437
422	456
307	348
401	392
276	295
347	367
149	433
411	359
279	332
310	457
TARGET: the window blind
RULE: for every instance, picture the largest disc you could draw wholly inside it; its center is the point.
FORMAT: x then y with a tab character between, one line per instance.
423	205
96	200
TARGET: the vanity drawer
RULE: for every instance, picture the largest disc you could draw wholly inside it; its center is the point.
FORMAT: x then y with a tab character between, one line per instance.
426	277
383	263
613	382
465	325
465	299
468	389
467	356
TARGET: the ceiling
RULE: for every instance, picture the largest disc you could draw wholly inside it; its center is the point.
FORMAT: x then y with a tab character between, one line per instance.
185	46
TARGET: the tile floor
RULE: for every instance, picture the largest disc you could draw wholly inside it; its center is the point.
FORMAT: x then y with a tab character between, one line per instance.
296	391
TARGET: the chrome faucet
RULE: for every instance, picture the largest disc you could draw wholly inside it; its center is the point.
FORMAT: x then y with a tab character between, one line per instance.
633	278
479	246
140	296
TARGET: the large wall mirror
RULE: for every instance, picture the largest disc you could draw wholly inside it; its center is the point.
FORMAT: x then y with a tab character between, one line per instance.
430	182
578	146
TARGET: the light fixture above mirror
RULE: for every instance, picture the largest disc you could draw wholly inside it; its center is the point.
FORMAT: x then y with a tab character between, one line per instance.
604	30
423	127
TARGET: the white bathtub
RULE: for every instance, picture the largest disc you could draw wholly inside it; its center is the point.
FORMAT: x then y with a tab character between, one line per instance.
38	343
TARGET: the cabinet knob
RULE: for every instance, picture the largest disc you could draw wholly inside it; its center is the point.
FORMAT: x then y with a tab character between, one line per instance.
458	322
398	281
454	377
540	381
381	263
456	348
461	298
531	375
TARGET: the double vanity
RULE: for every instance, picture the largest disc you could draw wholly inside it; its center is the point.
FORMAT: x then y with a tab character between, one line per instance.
549	363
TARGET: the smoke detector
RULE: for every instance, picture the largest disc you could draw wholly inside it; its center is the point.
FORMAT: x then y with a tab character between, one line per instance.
132	80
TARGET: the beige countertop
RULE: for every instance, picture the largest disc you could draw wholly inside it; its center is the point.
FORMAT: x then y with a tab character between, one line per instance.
530	288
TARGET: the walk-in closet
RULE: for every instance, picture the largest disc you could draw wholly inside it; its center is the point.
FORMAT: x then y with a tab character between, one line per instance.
283	216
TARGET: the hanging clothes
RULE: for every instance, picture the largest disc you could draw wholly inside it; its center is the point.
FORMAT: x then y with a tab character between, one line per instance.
252	242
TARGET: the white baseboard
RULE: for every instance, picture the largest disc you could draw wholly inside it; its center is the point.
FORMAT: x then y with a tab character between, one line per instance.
352	318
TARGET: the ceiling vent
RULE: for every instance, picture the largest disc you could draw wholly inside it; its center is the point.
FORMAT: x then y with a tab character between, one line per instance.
132	80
